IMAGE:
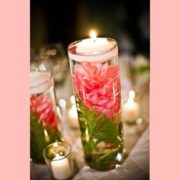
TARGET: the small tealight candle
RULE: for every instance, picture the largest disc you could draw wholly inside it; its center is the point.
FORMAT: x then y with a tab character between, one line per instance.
72	114
131	109
58	159
61	167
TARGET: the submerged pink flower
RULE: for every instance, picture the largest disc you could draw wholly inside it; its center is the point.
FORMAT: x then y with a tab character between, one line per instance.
98	86
43	109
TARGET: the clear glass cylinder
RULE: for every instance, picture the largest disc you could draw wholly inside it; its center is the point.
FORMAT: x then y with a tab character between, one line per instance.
44	120
96	81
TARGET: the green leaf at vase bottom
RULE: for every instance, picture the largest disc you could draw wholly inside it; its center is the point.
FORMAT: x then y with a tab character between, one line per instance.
39	140
97	131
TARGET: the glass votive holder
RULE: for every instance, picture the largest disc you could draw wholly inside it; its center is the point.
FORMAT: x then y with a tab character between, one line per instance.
58	159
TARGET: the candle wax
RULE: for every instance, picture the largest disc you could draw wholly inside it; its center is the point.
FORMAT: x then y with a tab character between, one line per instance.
93	45
93	50
73	116
61	167
131	111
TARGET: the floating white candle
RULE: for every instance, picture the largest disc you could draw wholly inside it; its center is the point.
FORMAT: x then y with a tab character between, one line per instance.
131	108
93	45
94	49
61	167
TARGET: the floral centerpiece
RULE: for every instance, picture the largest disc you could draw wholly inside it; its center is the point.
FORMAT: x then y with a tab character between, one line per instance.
97	91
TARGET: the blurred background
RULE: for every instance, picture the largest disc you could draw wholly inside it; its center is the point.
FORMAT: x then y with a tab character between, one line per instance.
65	21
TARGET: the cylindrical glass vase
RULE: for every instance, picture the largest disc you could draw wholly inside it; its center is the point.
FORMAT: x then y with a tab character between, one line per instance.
44	120
96	80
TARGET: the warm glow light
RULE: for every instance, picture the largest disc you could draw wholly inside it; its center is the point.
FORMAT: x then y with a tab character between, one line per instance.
46	136
45	132
42	67
131	94
55	144
131	109
93	34
72	99
62	103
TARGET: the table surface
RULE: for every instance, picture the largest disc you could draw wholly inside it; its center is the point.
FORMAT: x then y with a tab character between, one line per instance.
72	135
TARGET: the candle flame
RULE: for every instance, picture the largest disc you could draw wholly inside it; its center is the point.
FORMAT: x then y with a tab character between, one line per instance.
72	100
132	94
55	144
62	103
45	132
93	34
131	97
47	139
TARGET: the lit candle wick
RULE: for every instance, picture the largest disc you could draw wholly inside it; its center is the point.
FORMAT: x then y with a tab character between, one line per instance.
93	35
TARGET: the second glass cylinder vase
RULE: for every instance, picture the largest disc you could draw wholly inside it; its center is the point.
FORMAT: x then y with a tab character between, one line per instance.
44	120
96	81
